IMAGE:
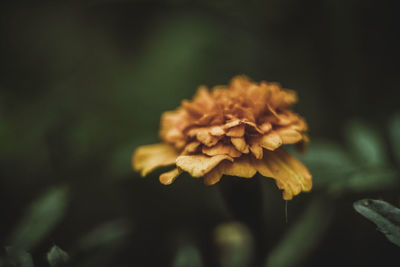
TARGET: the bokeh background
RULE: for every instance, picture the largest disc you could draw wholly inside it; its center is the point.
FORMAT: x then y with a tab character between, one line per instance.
83	83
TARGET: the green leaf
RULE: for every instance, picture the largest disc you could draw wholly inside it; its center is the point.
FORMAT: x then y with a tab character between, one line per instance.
187	256
328	162
57	257
40	219
300	240
366	144
384	215
18	258
394	132
107	234
368	179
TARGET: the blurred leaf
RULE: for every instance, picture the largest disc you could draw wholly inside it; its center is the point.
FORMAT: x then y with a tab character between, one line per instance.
235	244
300	240
366	144
394	131
105	235
40	218
384	215
368	179
328	162
18	258
187	256
57	257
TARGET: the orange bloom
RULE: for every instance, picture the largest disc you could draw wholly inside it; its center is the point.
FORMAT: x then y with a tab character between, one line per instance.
235	130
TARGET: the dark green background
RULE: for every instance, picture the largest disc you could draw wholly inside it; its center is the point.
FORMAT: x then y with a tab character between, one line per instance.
83	83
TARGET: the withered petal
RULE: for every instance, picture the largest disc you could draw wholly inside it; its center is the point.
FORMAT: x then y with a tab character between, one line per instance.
150	157
199	165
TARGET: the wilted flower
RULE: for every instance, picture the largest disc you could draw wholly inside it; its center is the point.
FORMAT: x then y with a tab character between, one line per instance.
234	130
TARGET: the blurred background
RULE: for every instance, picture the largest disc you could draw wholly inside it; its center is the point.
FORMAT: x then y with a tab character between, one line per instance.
83	83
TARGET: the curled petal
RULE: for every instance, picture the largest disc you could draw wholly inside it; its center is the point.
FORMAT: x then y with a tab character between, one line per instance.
222	149
241	167
237	131
240	144
191	147
199	165
204	136
270	141
148	158
169	177
290	174
289	136
214	176
257	151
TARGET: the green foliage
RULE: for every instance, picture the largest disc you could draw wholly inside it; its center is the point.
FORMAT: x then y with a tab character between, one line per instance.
107	234
18	258
302	238
363	167
394	133
40	219
384	215
187	256
366	144
57	257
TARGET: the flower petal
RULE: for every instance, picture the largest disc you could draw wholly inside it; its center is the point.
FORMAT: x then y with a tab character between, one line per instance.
150	157
290	174
289	136
199	165
214	176
271	141
240	144
222	149
169	177
257	151
237	131
241	167
191	147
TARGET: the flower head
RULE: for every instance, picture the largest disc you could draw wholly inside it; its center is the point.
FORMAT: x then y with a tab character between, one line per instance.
236	130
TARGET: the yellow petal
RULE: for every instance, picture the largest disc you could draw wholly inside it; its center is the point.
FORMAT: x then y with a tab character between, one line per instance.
290	174
199	165
237	131
203	135
191	148
214	176
271	141
289	136
240	144
217	131
266	127
222	149
169	177
257	151
241	167
147	158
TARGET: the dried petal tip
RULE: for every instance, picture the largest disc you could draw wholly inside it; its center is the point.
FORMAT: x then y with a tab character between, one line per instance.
238	129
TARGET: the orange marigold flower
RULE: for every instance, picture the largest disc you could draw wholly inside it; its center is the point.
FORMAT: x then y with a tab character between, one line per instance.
235	130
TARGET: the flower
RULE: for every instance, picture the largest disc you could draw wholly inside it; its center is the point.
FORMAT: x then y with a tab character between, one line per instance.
236	130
